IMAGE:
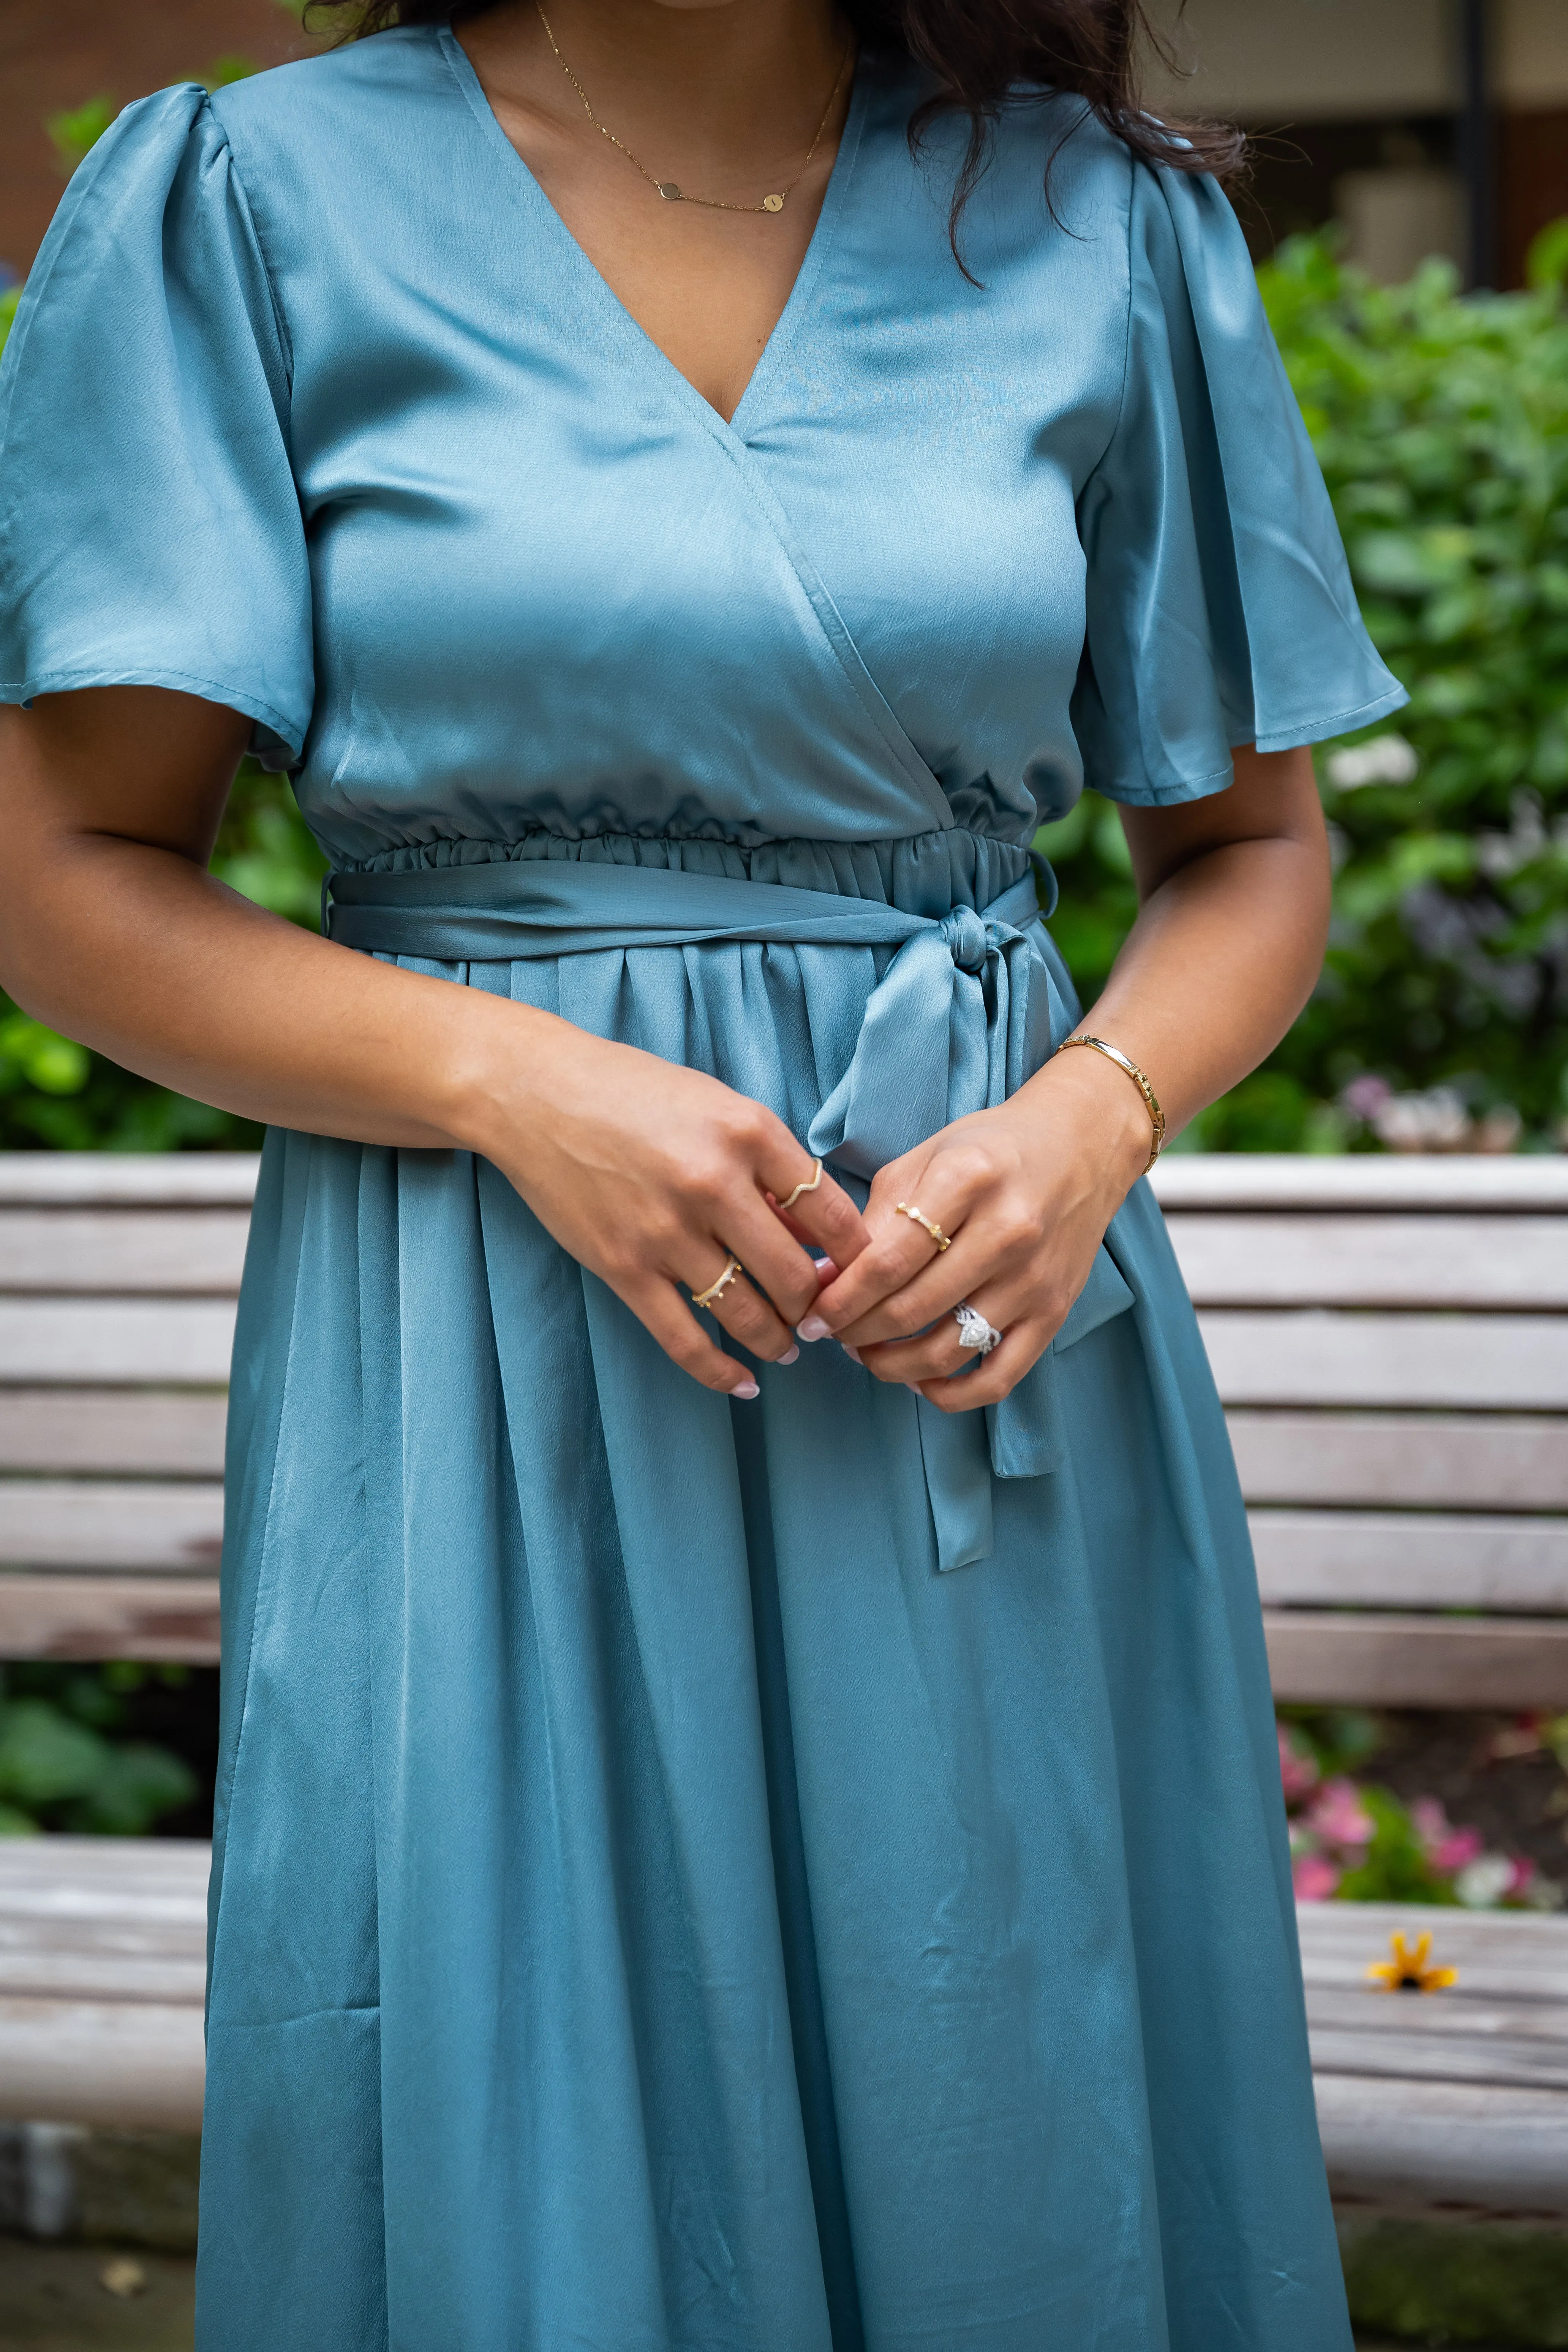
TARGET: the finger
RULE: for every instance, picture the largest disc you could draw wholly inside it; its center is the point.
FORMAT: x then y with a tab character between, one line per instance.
660	1308
997	1375
743	1313
899	1252
779	1267
824	1217
931	1291
939	1353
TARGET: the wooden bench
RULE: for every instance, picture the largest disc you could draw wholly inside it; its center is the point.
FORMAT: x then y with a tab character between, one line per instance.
1458	2101
1390	1337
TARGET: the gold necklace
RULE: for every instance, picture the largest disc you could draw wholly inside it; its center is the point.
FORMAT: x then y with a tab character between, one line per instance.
668	189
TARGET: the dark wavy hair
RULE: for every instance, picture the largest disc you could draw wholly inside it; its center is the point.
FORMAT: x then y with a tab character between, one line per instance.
979	55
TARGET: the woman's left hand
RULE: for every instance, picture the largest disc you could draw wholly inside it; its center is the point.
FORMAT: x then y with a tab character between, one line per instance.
1022	1193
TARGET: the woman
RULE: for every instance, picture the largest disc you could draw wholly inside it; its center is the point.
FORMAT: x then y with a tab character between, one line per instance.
720	1844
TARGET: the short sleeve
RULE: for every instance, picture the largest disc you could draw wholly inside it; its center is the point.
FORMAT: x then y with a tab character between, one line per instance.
150	525
1219	605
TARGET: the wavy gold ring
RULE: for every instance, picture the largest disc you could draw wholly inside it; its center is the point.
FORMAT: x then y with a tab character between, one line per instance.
717	1289
919	1217
804	1187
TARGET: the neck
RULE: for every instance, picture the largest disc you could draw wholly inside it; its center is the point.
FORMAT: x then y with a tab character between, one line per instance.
699	81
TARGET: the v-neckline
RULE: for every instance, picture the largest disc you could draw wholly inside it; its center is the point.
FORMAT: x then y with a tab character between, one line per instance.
785	326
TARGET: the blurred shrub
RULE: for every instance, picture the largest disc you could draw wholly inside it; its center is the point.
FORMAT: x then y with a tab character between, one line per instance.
66	1762
1442	425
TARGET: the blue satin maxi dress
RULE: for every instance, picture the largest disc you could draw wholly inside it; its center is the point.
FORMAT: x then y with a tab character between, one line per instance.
696	1876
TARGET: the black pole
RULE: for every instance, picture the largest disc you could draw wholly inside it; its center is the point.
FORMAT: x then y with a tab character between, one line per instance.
1475	142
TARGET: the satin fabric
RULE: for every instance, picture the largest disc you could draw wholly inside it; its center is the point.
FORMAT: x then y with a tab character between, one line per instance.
969	1006
654	1909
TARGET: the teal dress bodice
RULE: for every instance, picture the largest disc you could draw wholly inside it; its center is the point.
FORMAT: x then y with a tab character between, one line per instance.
696	1876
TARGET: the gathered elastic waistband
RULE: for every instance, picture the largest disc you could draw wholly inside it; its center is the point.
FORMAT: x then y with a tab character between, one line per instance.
922	873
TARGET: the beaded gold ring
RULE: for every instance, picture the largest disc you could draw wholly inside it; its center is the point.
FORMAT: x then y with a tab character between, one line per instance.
717	1289
919	1217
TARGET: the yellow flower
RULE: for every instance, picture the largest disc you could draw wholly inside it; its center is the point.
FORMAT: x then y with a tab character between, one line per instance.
1407	1971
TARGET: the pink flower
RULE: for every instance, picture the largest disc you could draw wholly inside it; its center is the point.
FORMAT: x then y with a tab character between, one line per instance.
1523	1879
1365	1096
1338	1816
1447	1848
1298	1768
1316	1877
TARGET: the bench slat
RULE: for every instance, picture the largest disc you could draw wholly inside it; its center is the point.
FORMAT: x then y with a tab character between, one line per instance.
108	1524
1434	1461
1502	2058
158	1879
1409	1559
58	1975
119	1342
1287	1180
1316	1356
124	2065
173	1620
109	1250
1373	1659
1220	1180
160	1178
1482	2146
1373	1261
147	1432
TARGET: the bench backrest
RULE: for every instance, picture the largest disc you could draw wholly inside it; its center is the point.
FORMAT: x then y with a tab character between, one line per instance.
1390	1337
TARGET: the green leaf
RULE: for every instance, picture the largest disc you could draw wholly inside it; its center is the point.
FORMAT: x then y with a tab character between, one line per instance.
135	1787
75	132
43	1755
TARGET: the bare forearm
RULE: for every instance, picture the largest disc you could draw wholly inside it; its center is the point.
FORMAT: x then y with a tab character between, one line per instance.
1220	962
135	951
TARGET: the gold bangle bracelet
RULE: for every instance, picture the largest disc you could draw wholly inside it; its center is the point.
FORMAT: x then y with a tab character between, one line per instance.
1125	1062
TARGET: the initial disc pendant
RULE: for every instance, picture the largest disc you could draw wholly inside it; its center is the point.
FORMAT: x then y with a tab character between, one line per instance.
668	191
773	204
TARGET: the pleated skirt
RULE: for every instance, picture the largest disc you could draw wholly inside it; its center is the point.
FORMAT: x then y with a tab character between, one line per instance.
654	1910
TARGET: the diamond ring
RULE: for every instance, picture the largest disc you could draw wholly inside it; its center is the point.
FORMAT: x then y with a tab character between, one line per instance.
973	1332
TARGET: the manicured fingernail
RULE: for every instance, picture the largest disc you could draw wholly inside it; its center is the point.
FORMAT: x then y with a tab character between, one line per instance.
853	1353
826	1272
745	1389
813	1328
792	1356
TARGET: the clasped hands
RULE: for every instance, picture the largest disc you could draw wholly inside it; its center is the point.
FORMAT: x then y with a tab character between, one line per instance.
659	1192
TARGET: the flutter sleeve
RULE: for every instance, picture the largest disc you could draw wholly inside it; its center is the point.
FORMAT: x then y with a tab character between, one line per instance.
1219	605
150	525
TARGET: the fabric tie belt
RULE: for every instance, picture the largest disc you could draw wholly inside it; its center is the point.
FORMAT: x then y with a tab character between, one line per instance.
968	1007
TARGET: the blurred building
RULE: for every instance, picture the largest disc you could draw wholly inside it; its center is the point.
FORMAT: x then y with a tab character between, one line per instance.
1425	125
55	56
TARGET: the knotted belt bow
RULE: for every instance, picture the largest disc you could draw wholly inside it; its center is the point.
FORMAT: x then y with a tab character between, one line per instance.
968	1007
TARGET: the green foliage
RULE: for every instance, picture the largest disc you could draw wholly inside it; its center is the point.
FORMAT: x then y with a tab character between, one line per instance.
80	128
1442	427
61	1766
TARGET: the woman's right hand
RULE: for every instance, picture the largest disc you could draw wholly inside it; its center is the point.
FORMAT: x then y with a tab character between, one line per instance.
652	1175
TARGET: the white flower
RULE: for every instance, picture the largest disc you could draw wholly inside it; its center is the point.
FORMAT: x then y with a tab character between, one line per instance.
1385	760
1484	1881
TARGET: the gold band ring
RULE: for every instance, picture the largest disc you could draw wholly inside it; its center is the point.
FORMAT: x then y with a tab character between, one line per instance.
919	1217
804	1187
717	1289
